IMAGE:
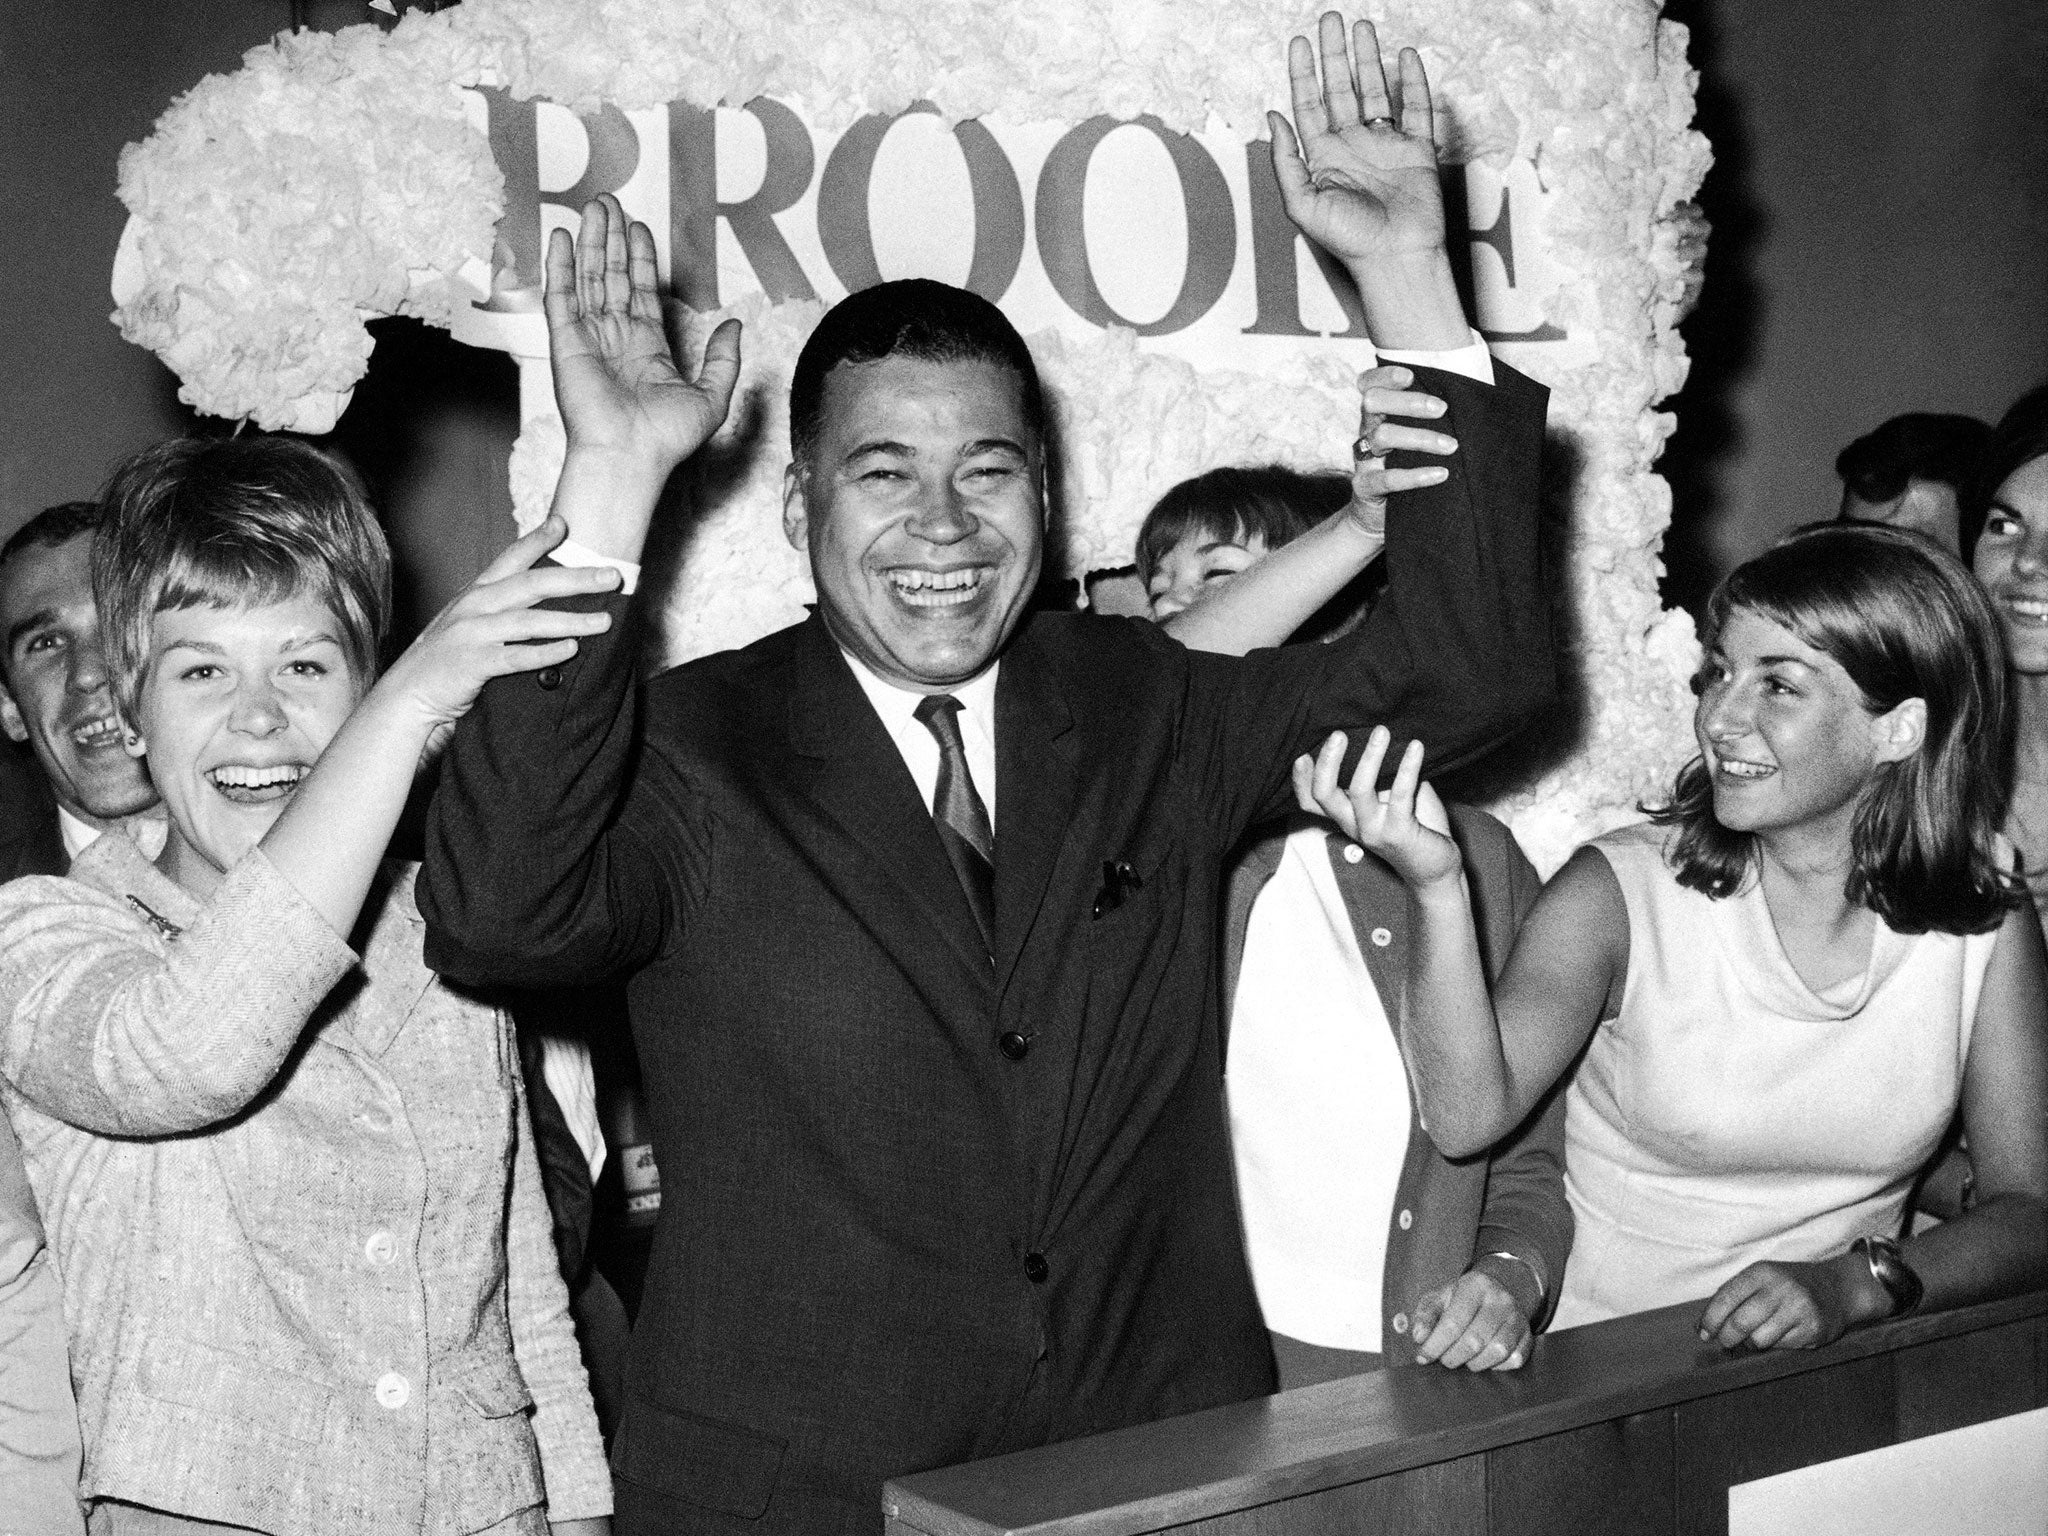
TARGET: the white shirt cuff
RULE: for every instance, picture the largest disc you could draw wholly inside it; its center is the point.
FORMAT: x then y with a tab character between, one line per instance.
1472	360
569	552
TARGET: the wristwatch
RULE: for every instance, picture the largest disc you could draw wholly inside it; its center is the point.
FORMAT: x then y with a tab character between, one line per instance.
1888	1267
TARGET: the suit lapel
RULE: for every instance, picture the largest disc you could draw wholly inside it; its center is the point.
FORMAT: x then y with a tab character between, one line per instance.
1036	782
901	887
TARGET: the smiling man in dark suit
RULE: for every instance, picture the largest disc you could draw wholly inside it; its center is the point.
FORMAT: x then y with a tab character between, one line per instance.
917	899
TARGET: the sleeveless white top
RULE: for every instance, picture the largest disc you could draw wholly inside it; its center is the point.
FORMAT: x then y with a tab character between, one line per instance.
1729	1113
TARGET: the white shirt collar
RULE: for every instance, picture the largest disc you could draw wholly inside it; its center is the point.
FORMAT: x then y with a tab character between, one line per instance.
897	709
897	705
147	831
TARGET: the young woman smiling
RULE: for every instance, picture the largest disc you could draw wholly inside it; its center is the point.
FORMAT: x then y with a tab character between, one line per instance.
2011	559
288	1176
1789	979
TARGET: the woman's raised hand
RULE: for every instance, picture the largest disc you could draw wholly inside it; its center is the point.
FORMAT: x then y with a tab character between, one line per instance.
1361	181
494	629
1405	824
1384	391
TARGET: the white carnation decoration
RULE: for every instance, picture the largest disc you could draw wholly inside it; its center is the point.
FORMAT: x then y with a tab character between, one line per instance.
336	177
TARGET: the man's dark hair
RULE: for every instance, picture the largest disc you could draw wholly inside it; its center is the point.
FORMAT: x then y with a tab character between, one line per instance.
2020	437
1918	446
52	526
915	318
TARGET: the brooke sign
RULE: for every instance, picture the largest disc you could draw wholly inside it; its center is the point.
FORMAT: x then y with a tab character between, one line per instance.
1180	237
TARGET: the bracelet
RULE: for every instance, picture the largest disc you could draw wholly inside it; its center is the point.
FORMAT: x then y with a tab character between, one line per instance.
1888	1267
1529	1264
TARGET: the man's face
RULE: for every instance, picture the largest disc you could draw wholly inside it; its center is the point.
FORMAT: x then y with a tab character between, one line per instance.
1925	506
56	696
922	506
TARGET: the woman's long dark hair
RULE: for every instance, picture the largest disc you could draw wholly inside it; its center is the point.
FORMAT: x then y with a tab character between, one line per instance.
1905	620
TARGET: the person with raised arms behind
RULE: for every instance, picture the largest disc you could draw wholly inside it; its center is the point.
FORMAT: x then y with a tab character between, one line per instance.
1791	978
915	900
1367	1246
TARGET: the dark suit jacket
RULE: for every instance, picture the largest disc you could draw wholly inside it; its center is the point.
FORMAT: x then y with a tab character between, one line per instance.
1512	1202
31	842
886	1242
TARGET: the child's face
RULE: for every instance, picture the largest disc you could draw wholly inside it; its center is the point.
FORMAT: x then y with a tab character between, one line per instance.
1200	562
235	706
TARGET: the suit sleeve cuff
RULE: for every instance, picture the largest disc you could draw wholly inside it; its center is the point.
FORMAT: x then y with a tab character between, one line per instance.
1472	360
569	552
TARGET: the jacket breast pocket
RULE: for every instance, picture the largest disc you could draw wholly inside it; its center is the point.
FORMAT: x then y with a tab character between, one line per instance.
215	1382
701	1461
1130	895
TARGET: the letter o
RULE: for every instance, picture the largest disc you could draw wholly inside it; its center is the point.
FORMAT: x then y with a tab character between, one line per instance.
1063	236
849	240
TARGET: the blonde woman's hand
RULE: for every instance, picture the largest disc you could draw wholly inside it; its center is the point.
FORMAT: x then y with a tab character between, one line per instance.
493	629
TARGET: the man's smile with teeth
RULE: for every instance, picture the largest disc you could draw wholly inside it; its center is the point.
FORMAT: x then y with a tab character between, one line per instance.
937	589
96	732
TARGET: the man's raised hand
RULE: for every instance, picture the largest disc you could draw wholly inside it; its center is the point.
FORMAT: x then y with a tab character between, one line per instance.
1361	179
629	414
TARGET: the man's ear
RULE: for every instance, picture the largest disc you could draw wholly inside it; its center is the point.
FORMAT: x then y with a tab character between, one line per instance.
10	717
796	517
1900	731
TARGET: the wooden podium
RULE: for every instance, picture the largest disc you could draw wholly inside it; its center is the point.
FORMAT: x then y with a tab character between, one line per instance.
1627	1426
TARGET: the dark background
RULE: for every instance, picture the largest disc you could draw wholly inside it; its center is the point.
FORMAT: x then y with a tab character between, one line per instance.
1879	202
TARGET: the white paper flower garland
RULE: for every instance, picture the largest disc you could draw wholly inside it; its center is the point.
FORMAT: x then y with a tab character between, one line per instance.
336	177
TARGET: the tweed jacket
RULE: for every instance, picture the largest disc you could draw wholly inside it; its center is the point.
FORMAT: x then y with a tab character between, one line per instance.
1512	1202
310	1279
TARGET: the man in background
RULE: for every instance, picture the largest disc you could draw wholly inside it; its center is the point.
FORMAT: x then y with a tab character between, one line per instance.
1910	472
54	699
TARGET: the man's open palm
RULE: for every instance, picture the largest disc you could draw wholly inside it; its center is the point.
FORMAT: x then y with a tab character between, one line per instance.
615	378
1361	181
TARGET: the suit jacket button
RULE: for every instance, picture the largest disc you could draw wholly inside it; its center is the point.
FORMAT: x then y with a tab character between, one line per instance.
1035	1268
1013	1045
1383	937
549	678
1353	853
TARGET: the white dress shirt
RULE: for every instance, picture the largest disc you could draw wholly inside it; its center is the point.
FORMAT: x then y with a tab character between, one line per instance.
920	749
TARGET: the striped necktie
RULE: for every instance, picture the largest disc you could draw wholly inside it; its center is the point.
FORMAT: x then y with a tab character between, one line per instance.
959	815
